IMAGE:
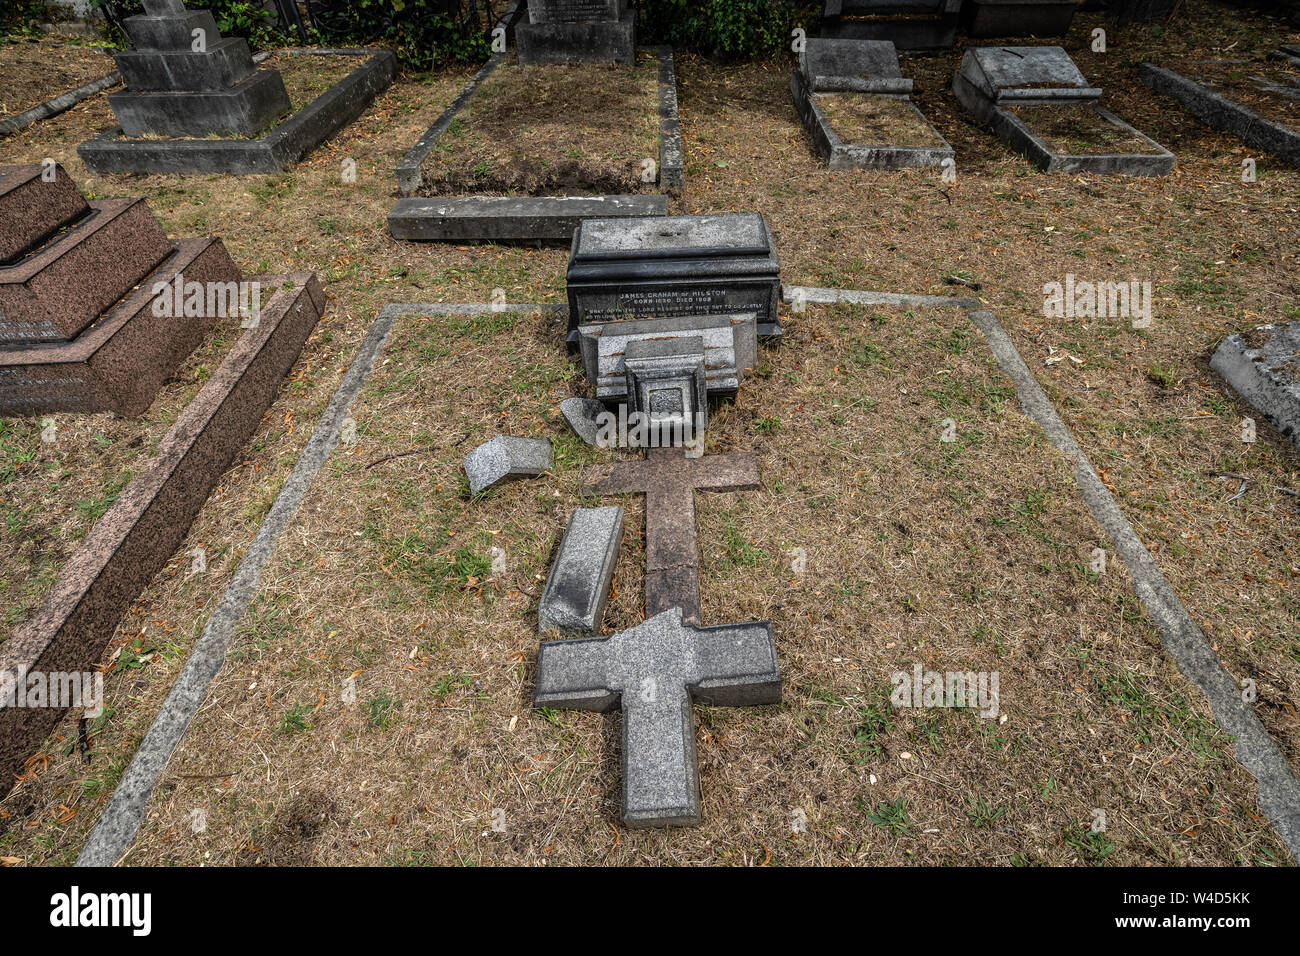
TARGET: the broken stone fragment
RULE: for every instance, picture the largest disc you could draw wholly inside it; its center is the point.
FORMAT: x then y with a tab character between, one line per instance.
582	415
574	597
506	456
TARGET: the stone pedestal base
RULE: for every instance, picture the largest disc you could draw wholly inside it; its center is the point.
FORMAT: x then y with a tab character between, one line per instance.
613	41
245	109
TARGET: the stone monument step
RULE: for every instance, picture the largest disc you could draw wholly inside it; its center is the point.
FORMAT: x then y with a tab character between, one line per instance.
246	109
220	66
120	362
58	290
32	209
171	32
471	218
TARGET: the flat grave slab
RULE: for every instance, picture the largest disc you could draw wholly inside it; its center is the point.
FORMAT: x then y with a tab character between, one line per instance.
1263	367
854	102
496	218
279	148
673	266
1036	100
1256	101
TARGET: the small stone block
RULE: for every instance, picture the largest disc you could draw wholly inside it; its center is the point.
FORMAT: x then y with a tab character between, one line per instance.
506	456
223	65
490	218
582	415
578	585
171	33
1025	73
665	381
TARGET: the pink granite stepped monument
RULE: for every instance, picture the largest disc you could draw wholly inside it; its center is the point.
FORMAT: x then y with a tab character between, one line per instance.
81	328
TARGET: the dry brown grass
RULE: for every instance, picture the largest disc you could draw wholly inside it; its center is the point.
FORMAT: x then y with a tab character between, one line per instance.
869	119
34	72
1077	129
542	130
965	556
1239	82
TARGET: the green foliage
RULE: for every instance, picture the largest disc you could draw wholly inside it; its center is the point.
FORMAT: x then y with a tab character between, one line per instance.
423	34
726	29
240	18
18	18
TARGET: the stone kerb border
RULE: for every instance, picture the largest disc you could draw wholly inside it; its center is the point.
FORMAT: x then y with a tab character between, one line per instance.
139	534
1218	112
283	146
57	104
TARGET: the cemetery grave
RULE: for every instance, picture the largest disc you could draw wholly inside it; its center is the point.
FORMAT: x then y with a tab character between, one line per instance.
1257	100
842	420
1037	100
854	101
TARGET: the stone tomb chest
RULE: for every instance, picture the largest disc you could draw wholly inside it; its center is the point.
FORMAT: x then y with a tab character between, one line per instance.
664	267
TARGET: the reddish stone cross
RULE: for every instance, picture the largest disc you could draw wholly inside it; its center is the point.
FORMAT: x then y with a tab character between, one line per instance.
669	480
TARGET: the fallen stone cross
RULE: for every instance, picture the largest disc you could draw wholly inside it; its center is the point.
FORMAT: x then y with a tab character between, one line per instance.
655	671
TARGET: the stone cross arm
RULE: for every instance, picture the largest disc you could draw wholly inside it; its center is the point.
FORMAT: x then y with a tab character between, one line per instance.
655	671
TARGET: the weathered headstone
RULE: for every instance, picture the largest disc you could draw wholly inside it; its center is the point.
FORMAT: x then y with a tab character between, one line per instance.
577	31
670	266
654	672
184	79
1263	367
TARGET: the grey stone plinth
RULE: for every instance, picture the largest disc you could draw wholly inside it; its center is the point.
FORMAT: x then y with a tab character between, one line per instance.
492	218
1037	73
867	66
225	64
730	348
673	266
610	41
841	155
506	456
1018	18
573	600
583	415
1219	112
655	671
1263	367
665	381
244	109
170	32
272	152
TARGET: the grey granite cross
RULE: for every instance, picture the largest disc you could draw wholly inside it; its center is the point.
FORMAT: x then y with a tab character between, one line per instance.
655	671
669	479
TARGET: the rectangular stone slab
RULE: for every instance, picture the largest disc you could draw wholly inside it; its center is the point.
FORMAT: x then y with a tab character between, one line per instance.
663	267
32	210
121	361
605	41
868	66
654	671
490	218
140	533
573	599
53	294
246	109
574	11
1024	73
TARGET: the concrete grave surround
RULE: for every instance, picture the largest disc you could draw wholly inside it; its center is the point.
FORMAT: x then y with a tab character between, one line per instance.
859	67
908	24
577	31
276	149
672	266
1218	112
1263	367
992	78
78	327
506	456
530	218
653	673
138	535
573	599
